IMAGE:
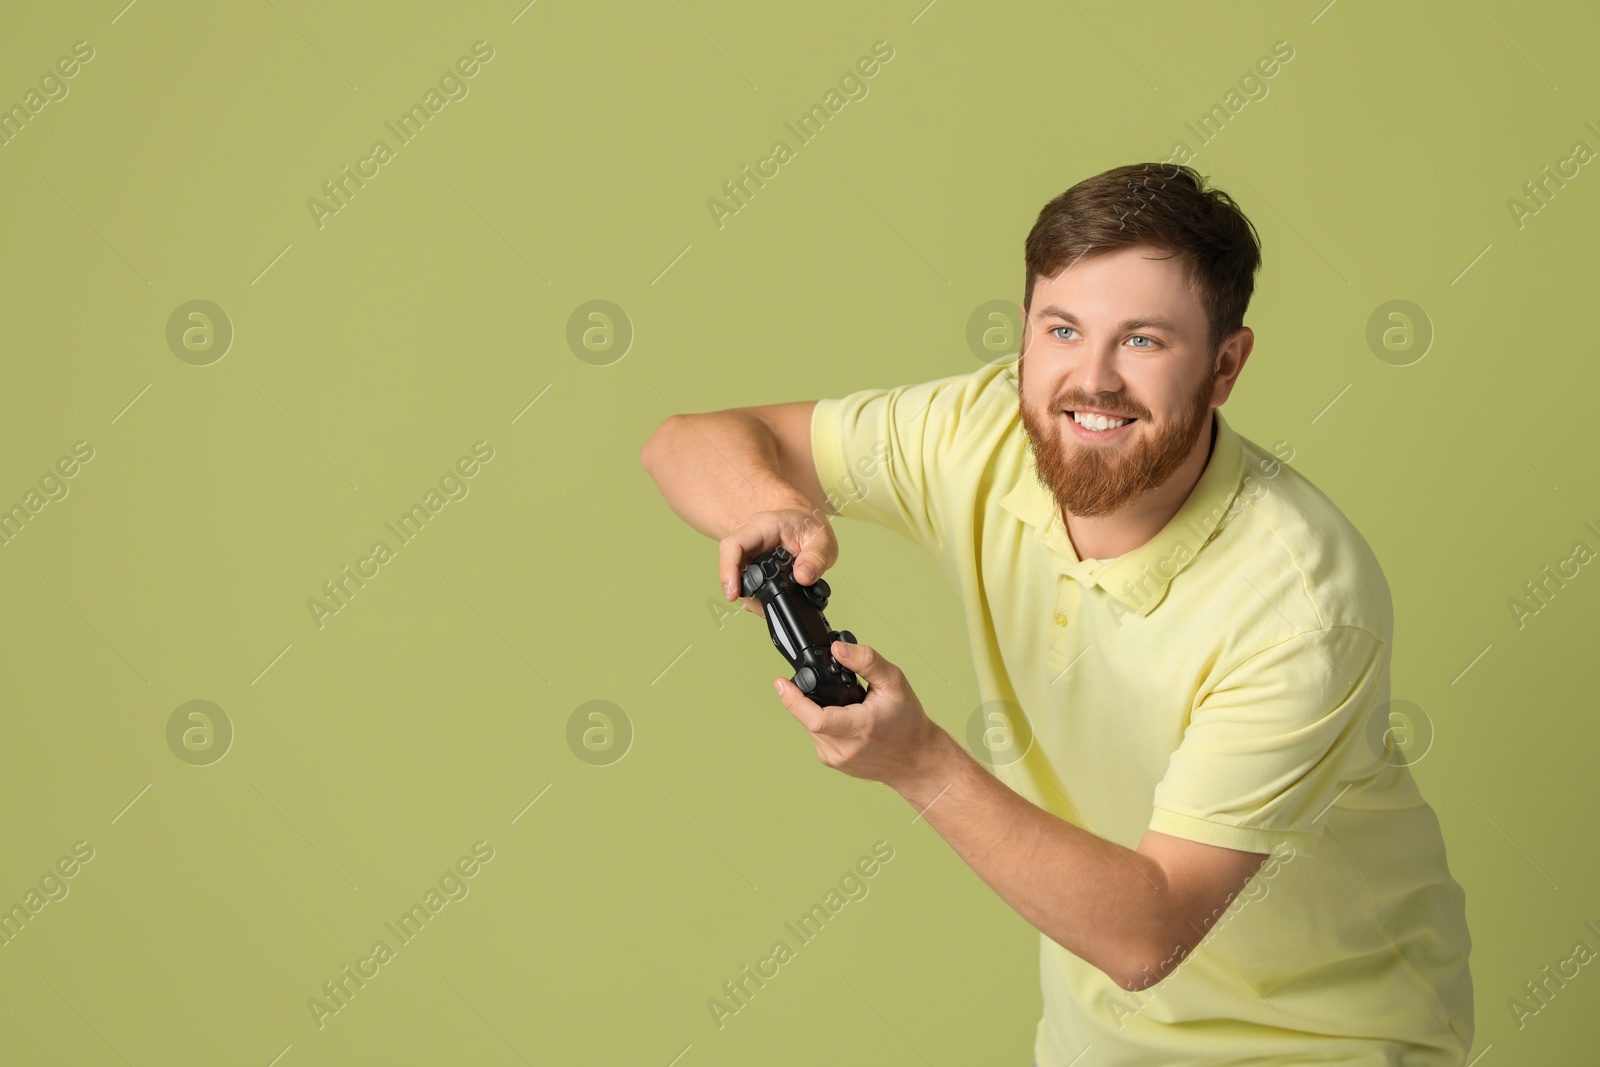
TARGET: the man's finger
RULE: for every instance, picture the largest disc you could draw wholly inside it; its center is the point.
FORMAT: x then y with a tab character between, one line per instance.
809	566
810	560
802	707
731	551
865	661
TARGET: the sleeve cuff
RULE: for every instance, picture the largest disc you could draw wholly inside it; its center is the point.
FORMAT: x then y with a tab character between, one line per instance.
825	454
1224	835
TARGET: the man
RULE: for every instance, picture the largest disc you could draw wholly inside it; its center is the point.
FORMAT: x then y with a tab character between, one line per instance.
1182	645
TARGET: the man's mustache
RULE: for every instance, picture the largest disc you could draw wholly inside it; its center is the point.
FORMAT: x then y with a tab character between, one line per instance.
1115	409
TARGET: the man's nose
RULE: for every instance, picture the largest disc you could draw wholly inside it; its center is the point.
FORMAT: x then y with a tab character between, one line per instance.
1097	373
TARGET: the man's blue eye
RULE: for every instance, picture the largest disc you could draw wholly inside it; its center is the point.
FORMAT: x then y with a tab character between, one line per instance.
1151	341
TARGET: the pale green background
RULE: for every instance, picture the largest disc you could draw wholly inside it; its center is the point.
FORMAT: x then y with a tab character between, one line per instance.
433	309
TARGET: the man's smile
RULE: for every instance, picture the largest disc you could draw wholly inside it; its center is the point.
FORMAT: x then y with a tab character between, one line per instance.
1097	425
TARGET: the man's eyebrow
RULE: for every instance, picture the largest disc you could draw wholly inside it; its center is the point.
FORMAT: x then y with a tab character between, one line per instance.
1051	311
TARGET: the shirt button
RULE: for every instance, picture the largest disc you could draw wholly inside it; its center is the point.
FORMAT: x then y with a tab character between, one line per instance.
1061	618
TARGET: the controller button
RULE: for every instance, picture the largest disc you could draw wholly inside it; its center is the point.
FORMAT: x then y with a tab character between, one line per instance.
805	680
817	594
752	579
847	637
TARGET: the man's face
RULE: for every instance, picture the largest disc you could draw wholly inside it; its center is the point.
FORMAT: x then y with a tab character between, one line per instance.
1090	345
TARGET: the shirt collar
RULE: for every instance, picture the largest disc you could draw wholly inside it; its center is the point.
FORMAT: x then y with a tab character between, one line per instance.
1139	579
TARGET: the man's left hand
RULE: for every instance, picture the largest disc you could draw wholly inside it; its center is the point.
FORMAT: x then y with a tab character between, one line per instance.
887	738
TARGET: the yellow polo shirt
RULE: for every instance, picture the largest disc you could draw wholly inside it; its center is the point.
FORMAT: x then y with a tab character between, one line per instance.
1225	682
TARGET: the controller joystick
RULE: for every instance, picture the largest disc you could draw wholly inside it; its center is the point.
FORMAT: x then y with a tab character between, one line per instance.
800	631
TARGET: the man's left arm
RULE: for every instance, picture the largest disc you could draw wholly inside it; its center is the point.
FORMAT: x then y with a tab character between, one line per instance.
1135	914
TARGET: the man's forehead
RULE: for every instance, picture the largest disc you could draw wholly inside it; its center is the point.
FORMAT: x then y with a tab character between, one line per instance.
1136	289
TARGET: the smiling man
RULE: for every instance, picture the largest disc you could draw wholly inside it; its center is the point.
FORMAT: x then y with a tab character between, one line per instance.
1182	648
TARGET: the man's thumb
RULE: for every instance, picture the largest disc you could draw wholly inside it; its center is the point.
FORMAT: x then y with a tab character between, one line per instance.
807	568
864	660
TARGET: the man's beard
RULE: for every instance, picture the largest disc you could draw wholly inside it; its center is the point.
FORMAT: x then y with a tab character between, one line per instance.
1088	479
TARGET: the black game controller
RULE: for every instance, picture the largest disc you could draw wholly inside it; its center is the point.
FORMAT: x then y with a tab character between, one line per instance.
800	630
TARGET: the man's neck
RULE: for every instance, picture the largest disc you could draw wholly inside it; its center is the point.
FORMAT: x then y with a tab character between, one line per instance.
1106	537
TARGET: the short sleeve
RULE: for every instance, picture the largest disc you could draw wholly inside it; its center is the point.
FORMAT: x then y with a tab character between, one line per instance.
1273	745
882	454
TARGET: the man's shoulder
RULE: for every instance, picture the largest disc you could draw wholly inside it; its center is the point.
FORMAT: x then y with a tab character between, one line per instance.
971	396
980	397
981	406
958	418
1318	555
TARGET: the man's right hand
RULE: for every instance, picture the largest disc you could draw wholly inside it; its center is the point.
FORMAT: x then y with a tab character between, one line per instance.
808	536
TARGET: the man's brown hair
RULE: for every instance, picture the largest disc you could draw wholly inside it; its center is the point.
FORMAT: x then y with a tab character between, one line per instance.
1160	204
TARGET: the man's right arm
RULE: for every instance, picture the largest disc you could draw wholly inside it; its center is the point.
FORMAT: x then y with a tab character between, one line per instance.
717	469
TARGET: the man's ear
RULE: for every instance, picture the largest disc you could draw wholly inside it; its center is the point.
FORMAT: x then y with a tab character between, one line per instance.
1231	358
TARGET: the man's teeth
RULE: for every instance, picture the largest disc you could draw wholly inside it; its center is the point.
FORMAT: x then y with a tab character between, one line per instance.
1096	422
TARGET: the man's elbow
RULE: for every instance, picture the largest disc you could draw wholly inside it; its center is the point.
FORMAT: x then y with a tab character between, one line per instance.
653	443
1149	964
